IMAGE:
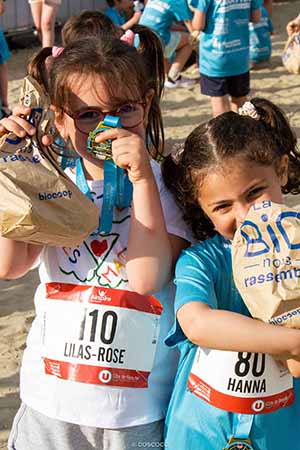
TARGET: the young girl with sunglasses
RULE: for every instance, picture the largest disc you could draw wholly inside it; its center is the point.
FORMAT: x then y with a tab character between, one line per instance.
230	393
95	372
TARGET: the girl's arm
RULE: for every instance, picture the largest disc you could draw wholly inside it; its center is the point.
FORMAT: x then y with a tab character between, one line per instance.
132	21
17	258
225	330
199	20
255	15
189	25
152	252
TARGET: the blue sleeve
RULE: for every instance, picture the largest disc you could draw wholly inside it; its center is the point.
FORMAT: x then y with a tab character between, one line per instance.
195	279
202	5
182	11
256	4
114	16
195	282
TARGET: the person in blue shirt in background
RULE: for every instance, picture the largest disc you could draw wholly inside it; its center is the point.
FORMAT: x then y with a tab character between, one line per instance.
224	49
260	39
160	15
118	10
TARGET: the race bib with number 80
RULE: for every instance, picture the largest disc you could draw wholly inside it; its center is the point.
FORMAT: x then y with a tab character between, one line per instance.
240	382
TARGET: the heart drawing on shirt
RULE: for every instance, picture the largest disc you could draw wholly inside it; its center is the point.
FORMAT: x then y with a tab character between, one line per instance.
99	247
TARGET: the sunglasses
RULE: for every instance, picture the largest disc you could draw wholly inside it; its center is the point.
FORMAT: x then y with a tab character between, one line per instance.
132	114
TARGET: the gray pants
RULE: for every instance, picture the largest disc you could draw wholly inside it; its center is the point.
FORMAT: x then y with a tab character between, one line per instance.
32	430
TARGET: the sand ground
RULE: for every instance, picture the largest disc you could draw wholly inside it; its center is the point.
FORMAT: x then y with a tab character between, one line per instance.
183	109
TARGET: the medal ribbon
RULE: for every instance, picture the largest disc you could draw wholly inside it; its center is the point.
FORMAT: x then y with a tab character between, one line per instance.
117	189
242	424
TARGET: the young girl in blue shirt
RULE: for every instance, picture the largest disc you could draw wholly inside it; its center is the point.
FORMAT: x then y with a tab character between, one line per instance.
233	389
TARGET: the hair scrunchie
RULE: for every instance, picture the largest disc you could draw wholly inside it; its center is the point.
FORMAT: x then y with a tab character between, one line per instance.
56	51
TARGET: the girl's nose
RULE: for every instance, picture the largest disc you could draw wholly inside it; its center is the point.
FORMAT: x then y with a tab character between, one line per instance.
241	213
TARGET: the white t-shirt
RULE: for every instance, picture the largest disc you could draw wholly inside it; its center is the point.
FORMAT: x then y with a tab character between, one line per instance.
95	355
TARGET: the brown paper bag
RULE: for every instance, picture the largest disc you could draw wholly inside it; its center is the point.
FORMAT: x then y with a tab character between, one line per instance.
291	54
38	202
266	263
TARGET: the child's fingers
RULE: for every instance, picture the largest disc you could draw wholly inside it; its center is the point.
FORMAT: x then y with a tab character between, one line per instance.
20	127
2	130
21	110
113	133
122	159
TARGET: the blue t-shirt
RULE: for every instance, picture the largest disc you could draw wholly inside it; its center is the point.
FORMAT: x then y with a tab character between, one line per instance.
260	38
203	273
117	18
224	43
4	50
159	15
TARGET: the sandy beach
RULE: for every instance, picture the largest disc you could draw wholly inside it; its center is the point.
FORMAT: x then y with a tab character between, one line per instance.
183	109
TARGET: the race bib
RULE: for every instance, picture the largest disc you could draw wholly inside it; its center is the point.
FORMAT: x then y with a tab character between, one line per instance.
240	382
99	336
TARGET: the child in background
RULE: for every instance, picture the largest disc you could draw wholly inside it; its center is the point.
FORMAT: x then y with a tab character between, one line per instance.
4	56
88	24
224	50
119	10
225	166
159	15
114	395
44	14
260	39
137	7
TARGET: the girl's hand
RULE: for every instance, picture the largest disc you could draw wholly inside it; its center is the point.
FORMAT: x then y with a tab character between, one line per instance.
293	26
17	124
129	152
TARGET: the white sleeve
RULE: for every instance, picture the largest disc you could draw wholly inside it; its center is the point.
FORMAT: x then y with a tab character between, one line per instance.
172	213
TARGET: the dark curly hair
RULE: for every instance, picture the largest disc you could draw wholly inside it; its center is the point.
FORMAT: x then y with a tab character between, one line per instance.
230	135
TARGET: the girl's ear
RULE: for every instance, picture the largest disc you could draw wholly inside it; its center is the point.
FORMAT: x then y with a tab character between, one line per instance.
283	170
148	100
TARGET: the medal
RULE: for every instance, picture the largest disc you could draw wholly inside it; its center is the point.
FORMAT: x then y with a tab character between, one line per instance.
102	150
240	440
238	444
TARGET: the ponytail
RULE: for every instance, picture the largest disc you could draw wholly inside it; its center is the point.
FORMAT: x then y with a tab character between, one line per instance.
180	171
277	125
149	47
38	67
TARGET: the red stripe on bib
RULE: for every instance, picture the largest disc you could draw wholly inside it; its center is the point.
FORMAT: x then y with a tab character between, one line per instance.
103	296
